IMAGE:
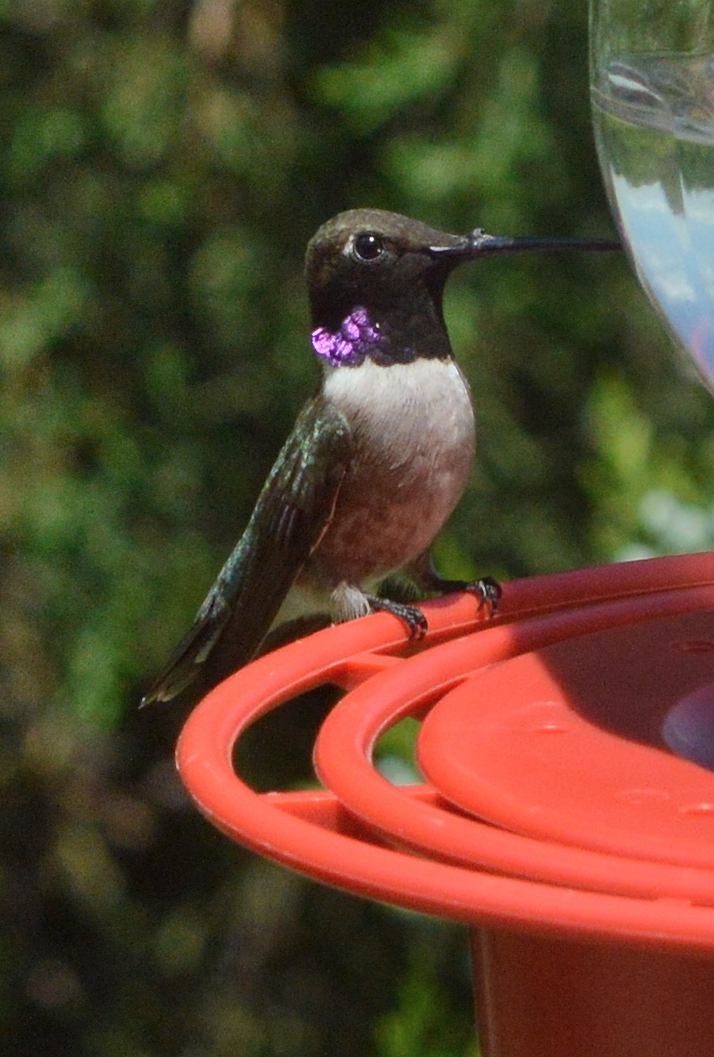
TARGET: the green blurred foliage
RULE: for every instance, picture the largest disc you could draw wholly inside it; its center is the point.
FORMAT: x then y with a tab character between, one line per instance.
164	163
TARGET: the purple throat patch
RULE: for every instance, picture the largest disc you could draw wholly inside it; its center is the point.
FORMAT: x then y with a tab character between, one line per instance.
350	344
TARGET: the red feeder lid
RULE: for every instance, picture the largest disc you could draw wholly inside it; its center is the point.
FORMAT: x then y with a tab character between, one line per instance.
568	743
553	802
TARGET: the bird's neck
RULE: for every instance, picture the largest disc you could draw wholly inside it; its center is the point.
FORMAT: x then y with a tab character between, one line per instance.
384	334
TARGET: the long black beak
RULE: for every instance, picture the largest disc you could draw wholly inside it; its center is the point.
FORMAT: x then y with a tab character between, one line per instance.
479	244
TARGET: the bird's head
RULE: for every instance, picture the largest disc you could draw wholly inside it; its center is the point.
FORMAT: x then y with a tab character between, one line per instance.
376	282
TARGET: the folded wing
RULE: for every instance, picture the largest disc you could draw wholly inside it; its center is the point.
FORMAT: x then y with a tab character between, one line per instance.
292	512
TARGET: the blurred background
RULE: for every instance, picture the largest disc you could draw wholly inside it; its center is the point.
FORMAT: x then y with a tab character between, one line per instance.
163	164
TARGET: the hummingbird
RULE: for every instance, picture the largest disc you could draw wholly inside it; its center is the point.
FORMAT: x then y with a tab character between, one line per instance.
377	459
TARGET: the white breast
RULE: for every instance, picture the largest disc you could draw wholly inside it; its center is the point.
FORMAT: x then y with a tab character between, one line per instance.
413	429
422	405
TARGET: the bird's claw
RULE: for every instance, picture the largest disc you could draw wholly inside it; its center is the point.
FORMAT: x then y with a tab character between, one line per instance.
412	616
488	592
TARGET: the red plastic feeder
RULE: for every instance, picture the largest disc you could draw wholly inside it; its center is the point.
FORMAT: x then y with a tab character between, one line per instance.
555	820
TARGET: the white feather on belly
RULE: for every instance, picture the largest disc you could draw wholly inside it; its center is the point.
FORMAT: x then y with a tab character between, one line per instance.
413	426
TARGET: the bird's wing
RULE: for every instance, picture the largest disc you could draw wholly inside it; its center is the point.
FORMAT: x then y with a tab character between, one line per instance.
291	514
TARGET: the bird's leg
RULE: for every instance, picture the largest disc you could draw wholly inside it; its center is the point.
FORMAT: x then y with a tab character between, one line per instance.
349	601
487	590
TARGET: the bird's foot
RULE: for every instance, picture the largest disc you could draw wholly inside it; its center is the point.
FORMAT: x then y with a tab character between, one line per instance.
487	591
412	616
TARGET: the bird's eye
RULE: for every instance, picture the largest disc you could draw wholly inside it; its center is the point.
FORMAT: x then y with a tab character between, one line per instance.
368	246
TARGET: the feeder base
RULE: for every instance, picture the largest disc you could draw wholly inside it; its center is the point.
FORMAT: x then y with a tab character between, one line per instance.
537	996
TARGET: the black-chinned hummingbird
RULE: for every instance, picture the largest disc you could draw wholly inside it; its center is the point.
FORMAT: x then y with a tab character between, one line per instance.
376	461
